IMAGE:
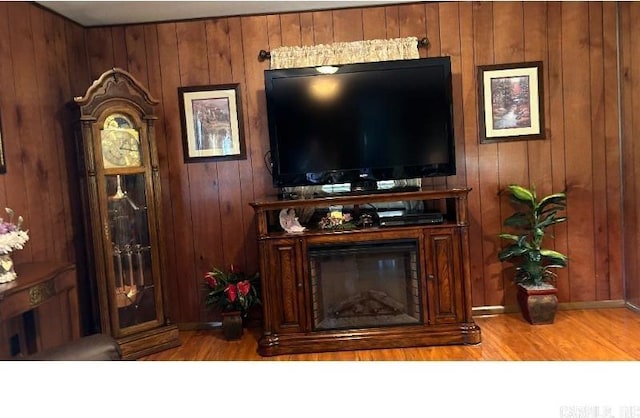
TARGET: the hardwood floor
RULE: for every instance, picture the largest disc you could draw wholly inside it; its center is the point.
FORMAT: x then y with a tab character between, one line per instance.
593	334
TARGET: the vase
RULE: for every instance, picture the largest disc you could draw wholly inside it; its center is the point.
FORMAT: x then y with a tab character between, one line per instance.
538	305
7	273
232	325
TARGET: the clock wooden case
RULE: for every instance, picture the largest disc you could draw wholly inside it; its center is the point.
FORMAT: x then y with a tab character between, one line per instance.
122	210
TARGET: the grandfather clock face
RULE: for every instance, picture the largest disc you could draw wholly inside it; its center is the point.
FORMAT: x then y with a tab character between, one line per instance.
120	142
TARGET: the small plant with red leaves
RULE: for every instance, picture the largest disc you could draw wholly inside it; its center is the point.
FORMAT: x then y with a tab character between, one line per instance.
232	290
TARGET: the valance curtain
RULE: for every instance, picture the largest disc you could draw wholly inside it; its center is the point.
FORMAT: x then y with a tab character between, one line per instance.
345	53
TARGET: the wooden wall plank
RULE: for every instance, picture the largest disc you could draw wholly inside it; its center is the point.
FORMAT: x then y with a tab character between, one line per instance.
29	127
578	141
229	194
490	215
631	132
99	51
536	33
612	150
290	29
118	40
323	27
347	25
155	78
203	186
630	69
79	75
254	38
433	31
512	155
136	61
555	122
306	28
274	30
392	21
181	289
245	173
48	169
450	46
64	184
207	44
12	184
373	23
255	177
470	136
76	76
634	131
598	148
536	49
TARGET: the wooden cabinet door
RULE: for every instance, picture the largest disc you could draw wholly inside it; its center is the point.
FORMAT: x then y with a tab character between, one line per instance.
285	285
444	275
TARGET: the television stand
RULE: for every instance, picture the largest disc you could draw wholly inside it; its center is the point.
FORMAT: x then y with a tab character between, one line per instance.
366	288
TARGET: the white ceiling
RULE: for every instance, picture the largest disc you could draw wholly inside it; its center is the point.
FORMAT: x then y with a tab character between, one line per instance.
99	13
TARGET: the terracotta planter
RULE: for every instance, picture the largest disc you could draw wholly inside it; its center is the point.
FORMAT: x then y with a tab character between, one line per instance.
232	326
538	305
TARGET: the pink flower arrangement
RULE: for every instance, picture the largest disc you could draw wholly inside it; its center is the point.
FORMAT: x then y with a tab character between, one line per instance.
231	290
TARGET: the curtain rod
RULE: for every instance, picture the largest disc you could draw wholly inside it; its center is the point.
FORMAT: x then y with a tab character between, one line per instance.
265	55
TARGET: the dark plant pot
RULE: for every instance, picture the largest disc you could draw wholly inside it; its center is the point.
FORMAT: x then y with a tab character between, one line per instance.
538	306
232	325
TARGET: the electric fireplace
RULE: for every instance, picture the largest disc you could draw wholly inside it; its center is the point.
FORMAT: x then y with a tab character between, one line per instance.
365	284
368	287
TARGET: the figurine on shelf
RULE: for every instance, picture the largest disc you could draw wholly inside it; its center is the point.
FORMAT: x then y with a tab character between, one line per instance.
289	222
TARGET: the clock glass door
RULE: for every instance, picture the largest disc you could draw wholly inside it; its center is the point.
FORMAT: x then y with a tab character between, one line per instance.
131	249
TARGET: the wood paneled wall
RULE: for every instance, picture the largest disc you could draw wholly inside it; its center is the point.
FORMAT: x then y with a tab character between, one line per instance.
630	99
43	63
206	214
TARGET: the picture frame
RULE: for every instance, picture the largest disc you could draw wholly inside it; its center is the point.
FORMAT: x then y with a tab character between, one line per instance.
211	118
510	102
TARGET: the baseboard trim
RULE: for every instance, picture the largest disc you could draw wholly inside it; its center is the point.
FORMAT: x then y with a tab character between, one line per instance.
564	306
633	307
475	311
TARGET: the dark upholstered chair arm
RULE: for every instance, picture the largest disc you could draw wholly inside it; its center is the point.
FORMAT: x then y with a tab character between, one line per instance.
91	348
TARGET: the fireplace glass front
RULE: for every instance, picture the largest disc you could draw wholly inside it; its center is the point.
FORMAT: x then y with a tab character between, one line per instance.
366	284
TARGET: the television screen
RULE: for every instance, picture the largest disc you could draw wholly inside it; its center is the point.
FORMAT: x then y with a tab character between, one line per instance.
362	123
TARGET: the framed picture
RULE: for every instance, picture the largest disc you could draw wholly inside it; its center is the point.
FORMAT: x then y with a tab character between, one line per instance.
510	102
212	123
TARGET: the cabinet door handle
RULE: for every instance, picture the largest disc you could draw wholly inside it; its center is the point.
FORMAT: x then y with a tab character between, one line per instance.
299	285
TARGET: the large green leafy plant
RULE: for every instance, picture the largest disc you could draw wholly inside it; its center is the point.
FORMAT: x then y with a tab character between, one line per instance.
534	263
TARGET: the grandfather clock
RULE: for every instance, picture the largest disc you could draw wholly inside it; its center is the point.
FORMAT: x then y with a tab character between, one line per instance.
122	209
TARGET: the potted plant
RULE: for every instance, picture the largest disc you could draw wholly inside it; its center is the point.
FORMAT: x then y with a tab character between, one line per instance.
234	293
534	275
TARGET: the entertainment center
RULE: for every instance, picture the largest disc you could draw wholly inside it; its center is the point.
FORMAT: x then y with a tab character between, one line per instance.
368	267
366	287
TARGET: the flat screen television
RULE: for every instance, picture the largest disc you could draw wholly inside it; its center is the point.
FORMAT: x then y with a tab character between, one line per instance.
362	123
